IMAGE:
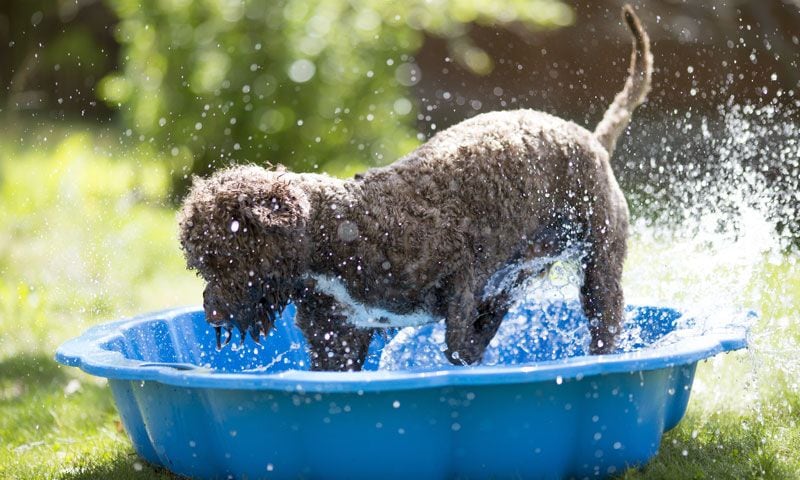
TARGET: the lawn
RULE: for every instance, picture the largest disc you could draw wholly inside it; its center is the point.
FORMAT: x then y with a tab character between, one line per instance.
87	235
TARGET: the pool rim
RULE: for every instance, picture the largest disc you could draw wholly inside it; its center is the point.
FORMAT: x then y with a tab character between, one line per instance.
85	352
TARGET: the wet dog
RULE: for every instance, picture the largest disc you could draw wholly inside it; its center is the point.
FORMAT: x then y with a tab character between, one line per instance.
419	240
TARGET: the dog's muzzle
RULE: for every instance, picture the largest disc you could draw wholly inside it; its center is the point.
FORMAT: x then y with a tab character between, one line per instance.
255	316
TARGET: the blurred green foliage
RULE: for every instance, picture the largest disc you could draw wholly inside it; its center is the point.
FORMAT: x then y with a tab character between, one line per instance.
85	235
52	54
312	84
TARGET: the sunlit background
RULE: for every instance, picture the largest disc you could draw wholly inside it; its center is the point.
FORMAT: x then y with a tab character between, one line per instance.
109	107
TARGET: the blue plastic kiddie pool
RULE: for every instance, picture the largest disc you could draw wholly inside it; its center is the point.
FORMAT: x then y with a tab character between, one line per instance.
542	409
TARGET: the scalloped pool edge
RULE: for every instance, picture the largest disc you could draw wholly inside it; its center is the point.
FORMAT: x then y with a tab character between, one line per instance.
86	352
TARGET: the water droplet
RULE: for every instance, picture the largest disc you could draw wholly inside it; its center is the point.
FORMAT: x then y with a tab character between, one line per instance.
408	74
301	71
347	231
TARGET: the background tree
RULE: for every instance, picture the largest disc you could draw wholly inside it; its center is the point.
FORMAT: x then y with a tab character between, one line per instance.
52	54
306	83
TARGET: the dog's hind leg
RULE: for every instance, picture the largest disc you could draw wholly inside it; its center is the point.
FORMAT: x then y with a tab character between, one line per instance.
601	292
335	344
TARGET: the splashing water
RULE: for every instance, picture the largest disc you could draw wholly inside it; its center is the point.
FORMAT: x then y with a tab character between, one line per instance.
727	242
718	247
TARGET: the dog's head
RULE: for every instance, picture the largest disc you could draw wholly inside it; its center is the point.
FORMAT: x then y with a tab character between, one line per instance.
244	231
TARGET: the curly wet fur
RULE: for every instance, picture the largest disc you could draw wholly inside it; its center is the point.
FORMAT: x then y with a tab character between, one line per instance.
423	234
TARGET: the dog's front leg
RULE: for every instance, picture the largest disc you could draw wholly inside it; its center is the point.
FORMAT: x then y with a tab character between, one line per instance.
491	312
335	344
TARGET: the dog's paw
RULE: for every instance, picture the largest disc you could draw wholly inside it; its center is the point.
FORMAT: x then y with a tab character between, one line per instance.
464	356
602	345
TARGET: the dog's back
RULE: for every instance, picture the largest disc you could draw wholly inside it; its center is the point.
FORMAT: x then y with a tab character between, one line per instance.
470	187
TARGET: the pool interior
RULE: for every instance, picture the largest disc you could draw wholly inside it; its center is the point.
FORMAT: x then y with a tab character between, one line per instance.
546	332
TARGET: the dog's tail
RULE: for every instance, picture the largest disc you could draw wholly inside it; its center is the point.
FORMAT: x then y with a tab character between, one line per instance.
637	85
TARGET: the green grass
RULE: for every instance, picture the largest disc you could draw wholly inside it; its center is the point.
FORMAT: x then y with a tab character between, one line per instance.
86	235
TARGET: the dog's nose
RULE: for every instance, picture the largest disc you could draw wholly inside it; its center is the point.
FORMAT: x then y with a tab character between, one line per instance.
214	316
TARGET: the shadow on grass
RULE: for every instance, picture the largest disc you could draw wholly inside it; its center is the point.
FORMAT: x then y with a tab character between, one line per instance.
27	381
35	369
44	418
122	467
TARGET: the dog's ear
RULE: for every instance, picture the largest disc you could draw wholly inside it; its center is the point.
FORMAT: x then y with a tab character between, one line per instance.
283	206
